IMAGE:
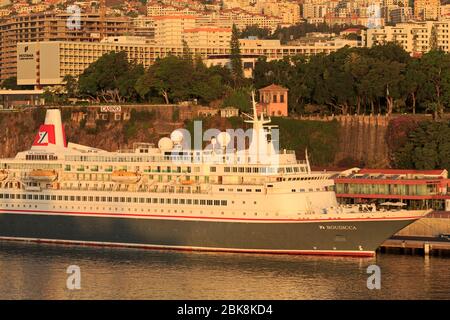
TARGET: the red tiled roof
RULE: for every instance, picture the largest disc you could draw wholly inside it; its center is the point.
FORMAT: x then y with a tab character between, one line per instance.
273	87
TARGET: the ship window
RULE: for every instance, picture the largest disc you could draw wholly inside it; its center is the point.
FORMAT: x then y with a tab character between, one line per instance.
248	190
302	190
221	189
161	200
66	198
148	200
189	201
257	190
241	169
116	199
97	199
60	198
223	202
239	190
216	202
135	200
226	169
168	201
110	199
103	199
195	201
72	198
210	202
47	197
212	169
293	190
182	201
24	196
202	202
141	200
122	199
1	195
41	197
255	170
235	169
248	170
84	198
155	200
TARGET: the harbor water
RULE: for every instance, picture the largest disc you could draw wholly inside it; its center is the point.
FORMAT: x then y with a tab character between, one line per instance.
39	271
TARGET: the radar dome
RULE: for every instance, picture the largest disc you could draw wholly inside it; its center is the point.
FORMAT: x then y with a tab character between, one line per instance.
224	138
176	136
165	144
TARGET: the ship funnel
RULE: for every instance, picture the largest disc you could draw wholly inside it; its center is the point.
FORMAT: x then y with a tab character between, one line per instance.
51	133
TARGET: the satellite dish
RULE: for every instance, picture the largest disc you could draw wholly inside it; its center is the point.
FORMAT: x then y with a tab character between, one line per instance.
224	138
176	137
165	144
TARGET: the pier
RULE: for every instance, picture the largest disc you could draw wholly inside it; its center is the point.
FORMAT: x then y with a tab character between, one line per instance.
416	245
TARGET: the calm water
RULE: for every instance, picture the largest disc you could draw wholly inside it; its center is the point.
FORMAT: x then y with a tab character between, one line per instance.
34	271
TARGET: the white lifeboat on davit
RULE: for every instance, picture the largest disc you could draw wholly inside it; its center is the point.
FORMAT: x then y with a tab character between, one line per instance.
43	175
123	176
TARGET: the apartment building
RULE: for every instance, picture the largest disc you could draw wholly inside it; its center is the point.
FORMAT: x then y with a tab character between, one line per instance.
47	62
50	26
426	9
169	29
207	37
414	37
158	9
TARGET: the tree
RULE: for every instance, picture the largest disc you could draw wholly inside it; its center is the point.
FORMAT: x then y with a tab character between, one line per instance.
71	85
235	58
110	79
428	147
11	84
436	86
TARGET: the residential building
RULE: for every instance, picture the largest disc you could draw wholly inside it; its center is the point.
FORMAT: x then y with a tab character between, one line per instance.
414	37
47	62
273	100
50	26
426	9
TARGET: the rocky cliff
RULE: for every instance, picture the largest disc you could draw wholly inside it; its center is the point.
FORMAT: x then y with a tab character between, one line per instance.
360	139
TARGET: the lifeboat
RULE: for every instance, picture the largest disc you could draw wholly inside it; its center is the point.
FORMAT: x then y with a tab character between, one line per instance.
3	175
43	175
125	176
187	182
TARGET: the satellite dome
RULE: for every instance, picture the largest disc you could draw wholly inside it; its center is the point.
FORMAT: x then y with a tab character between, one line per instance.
176	136
224	138
165	144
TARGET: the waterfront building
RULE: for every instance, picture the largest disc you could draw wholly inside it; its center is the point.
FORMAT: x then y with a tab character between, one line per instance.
414	188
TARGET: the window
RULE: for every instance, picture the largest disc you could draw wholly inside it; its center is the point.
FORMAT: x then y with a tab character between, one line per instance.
282	98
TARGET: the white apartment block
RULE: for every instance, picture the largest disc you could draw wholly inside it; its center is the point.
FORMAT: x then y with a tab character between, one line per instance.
169	29
414	37
207	37
156	9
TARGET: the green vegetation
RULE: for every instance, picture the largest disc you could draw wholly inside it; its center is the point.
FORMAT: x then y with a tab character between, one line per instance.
426	147
381	79
286	34
11	83
236	60
321	138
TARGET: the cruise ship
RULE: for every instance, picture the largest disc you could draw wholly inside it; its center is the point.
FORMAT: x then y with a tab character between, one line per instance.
170	197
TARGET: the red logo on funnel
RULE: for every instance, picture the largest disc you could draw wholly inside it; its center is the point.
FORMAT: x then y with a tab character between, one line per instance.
45	136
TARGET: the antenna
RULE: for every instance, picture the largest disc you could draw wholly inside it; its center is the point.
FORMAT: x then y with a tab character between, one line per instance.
307	160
